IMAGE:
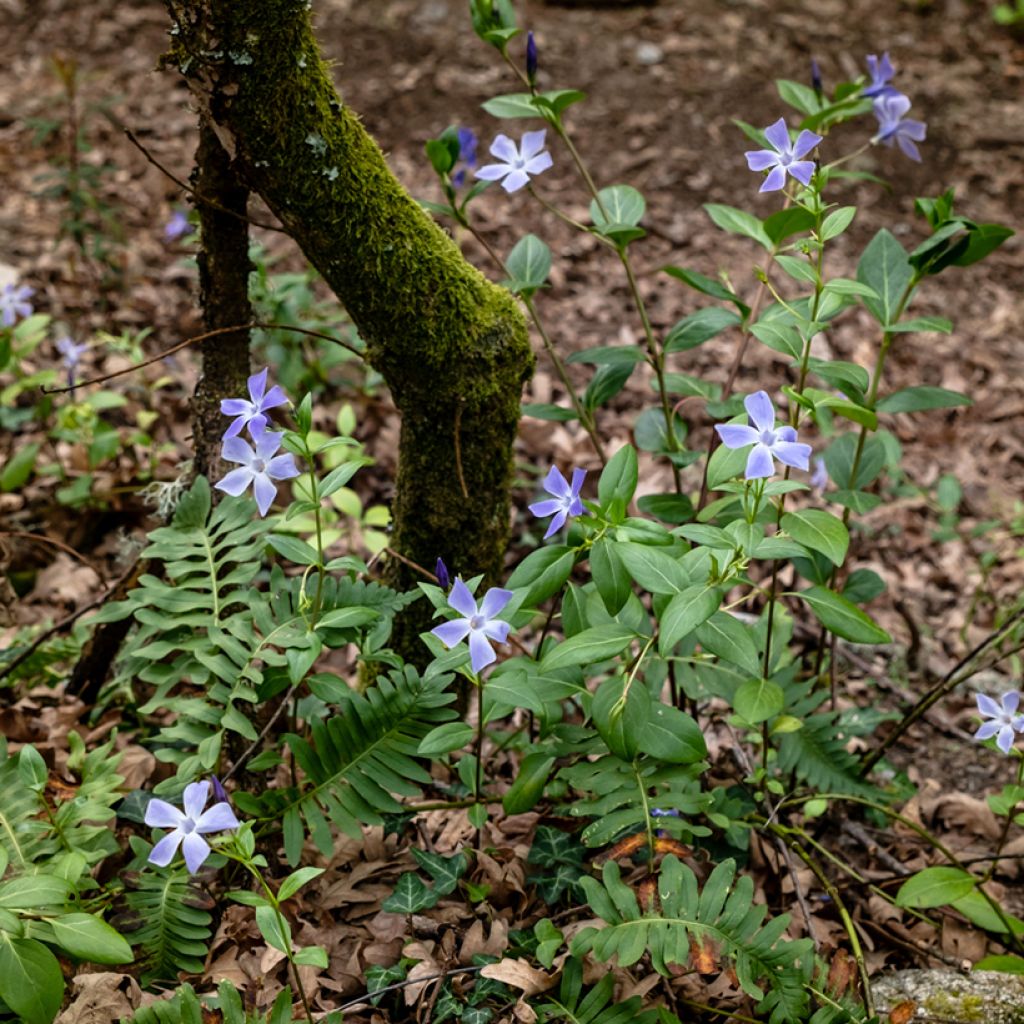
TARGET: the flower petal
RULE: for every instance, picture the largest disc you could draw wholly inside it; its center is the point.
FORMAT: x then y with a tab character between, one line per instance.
515	181
786	433
235	449
282	467
548	507
556	484
578	476
532	144
258	386
218	818
461	599
775	180
481	654
264	491
273	398
760	410
761	159
1005	739
504	149
267	443
494	600
451	634
497	629
777	135
736	435
557	522
235	407
793	453
196	850
196	795
987	730
987	706
1010	701
805	142
759	463
164	851
234	428
161	814
802	171
492	172
539	164
908	147
236	481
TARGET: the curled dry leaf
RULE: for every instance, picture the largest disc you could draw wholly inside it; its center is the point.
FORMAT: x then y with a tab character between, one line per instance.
902	1013
519	974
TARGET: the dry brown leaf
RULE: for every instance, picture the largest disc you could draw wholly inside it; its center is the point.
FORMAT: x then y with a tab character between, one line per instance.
101	998
903	1013
519	974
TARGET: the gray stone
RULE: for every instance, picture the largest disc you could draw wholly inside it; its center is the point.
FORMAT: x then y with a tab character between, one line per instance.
987	997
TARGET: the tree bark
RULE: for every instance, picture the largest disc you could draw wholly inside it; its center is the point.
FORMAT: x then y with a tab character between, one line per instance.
223	295
452	346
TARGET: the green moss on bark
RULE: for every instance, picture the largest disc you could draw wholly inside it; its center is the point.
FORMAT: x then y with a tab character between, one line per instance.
451	345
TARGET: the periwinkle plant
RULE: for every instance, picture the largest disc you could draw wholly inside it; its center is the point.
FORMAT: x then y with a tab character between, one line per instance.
639	626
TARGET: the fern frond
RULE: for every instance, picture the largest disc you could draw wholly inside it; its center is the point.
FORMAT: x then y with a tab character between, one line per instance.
166	920
817	754
722	915
592	1007
184	1007
623	795
359	757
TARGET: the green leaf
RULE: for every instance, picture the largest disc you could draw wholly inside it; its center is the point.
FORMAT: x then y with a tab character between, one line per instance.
820	531
798	268
312	956
935	887
653	568
884	267
411	895
592	645
844	286
529	264
534	772
621	714
837	222
685	612
606	383
34	892
31	981
275	929
738	222
618	478
19	468
347	618
608	355
699	282
445	738
610	575
921	398
546	411
778	336
935	324
695	329
523	104
651	435
669	508
444	871
543	572
296	880
791	221
672	736
294	549
1007	963
757	700
844	619
728	638
622	205
89	938
983	239
799	96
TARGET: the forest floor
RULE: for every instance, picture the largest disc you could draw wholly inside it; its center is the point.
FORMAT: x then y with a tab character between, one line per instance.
663	83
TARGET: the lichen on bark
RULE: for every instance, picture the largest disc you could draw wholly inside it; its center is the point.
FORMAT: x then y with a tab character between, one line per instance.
451	345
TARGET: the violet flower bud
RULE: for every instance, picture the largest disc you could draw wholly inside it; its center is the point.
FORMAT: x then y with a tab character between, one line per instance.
441	572
531	57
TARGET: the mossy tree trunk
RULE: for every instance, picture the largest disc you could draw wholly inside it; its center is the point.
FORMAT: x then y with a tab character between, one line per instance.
223	295
452	346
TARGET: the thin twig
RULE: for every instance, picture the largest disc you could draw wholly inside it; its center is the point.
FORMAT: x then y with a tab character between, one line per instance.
458	451
40	538
247	753
412	565
409	981
202	337
198	196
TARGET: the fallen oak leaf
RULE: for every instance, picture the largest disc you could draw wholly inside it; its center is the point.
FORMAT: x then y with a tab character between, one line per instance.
519	974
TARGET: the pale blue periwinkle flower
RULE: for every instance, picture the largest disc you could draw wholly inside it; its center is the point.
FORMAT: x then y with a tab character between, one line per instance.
785	157
881	70
481	624
819	477
188	827
564	501
177	226
467	156
1004	719
517	163
259	468
251	414
890	108
770	442
14	303
71	354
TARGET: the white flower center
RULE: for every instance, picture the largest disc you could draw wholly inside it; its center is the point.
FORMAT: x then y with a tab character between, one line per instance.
768	438
477	622
188	826
259	466
519	163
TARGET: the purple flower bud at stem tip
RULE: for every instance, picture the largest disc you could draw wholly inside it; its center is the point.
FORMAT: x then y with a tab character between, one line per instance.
441	572
816	83
531	57
219	792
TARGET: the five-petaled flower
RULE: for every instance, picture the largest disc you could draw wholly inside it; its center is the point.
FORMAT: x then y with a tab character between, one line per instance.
479	624
14	303
177	226
768	440
894	127
251	414
565	501
188	828
1004	719
259	468
784	157
881	71
71	353
518	163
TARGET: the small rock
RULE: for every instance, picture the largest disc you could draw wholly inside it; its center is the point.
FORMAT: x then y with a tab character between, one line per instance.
650	53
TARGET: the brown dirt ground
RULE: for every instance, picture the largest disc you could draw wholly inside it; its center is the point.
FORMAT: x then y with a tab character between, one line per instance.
663	82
